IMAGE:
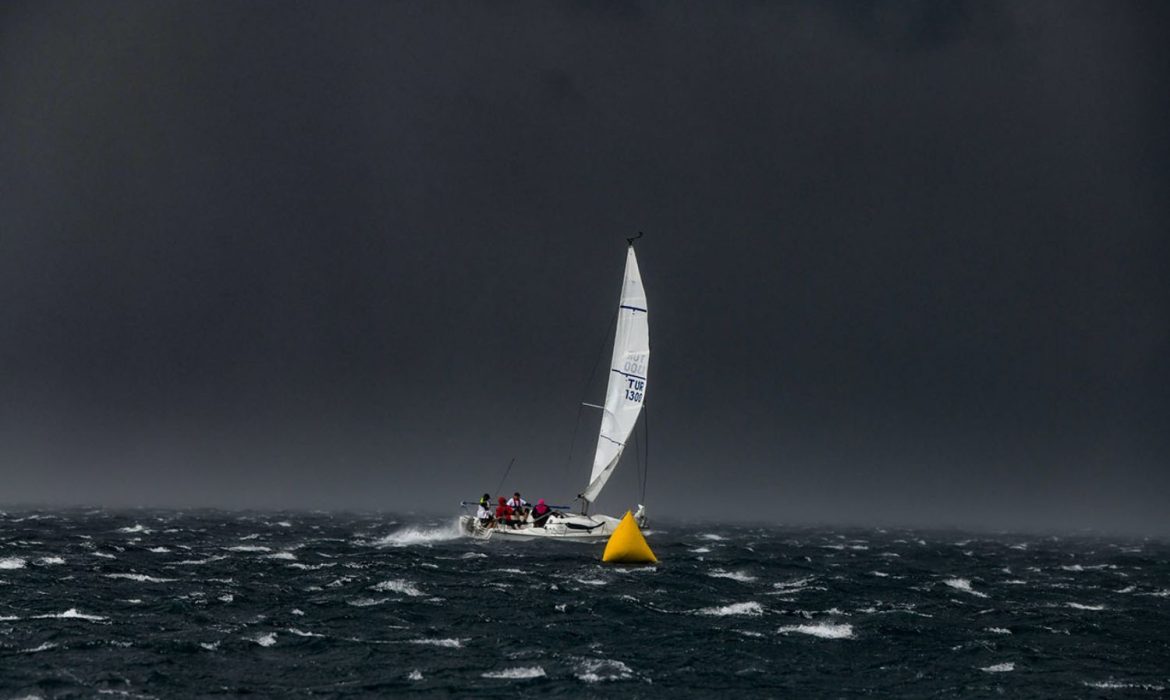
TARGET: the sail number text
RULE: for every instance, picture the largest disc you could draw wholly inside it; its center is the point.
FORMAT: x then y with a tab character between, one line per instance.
635	365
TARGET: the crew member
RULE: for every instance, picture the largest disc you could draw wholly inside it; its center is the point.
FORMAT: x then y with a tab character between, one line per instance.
540	514
504	514
484	515
519	505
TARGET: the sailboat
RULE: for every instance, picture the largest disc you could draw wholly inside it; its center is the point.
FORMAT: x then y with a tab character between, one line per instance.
624	397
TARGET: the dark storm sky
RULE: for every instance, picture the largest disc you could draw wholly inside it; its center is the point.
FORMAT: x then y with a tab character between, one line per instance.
906	262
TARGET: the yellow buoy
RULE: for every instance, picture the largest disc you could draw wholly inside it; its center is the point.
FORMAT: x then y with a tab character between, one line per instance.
627	545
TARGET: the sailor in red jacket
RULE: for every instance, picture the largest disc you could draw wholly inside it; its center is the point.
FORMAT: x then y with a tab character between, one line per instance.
504	514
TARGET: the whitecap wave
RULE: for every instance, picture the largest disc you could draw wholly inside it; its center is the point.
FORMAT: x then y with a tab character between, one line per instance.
135	528
415	675
518	673
72	614
264	640
447	643
824	630
712	536
795	583
598	670
1000	668
366	602
302	633
249	548
198	562
44	647
636	570
962	584
999	630
741	576
142	578
50	561
409	536
795	586
750	609
11	563
398	585
1080	606
287	556
1122	685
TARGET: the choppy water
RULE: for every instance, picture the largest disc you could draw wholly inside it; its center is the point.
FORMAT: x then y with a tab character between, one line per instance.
171	604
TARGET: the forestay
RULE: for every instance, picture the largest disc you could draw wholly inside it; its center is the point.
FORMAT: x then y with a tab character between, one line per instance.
627	378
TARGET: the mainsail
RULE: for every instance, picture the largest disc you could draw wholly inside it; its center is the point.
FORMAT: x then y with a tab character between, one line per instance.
627	378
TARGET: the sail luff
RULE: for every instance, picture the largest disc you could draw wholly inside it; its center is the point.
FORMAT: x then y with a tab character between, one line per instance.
626	388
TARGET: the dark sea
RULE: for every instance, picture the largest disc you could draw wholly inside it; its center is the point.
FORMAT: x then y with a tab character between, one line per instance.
281	604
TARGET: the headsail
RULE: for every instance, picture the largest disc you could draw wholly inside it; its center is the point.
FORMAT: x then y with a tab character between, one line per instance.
627	378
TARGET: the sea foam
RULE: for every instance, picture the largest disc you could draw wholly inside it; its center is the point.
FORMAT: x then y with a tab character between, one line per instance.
398	585
597	670
519	673
448	643
740	576
962	584
143	578
824	630
72	614
416	536
1119	685
750	609
1079	606
264	640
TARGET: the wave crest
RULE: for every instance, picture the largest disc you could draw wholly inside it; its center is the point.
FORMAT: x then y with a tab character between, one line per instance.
824	630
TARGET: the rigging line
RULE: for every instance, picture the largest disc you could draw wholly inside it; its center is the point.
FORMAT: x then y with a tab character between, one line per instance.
638	457
646	447
504	478
585	391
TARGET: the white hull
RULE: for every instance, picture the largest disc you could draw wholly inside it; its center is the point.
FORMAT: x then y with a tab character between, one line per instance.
568	527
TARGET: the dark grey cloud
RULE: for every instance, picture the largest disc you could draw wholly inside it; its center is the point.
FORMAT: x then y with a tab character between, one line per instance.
906	262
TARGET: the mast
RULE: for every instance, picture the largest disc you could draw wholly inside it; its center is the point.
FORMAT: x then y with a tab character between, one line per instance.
626	389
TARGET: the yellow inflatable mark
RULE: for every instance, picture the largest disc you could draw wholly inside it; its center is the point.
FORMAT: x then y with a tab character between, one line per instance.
627	545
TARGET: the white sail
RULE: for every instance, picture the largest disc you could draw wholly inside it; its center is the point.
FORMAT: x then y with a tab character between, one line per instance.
627	378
